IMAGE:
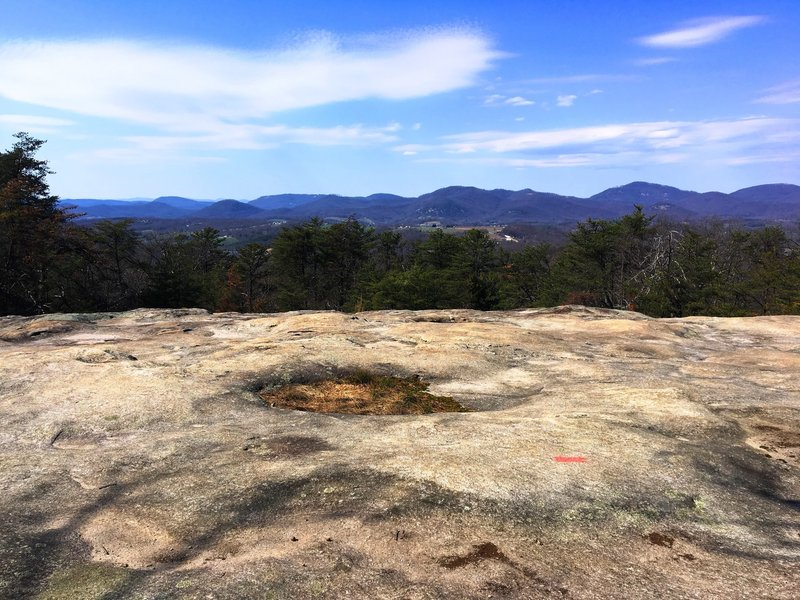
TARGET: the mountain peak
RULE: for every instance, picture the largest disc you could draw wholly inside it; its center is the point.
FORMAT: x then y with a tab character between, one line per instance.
468	205
642	192
228	209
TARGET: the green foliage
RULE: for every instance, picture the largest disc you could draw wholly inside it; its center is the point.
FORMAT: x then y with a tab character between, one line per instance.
606	263
47	264
318	266
173	282
477	263
248	284
526	277
298	255
389	252
209	265
770	277
348	245
114	270
186	270
33	233
443	271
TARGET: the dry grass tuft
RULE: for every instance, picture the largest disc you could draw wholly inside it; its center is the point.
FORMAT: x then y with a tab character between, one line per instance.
363	393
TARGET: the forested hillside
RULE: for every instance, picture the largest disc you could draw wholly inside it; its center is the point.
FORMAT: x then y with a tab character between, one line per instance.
51	264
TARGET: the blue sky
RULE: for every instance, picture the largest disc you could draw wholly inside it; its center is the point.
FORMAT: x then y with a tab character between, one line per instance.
241	99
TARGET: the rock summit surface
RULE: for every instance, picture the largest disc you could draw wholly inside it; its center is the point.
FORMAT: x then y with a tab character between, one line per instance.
605	455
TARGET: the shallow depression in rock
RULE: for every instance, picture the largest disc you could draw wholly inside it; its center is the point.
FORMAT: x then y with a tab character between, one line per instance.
361	393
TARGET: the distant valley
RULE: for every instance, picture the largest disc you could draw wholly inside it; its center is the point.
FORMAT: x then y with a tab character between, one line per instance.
464	206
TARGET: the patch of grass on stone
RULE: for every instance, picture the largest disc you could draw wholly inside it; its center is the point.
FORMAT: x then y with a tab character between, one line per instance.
85	582
362	393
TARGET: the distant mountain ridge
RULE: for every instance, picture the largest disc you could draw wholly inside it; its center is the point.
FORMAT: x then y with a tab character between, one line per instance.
463	205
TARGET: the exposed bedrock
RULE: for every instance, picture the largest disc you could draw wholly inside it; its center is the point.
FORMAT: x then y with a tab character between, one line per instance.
604	455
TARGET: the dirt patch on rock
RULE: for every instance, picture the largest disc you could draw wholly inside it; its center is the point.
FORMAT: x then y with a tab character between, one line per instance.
124	540
480	552
286	446
660	539
362	393
779	443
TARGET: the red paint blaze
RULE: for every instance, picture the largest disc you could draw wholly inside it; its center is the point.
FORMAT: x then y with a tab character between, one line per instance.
569	458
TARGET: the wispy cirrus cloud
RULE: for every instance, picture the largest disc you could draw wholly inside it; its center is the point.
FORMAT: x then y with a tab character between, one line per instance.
35	120
699	32
254	137
581	78
654	135
656	142
34	123
561	161
566	100
519	101
198	89
157	148
786	93
653	61
501	100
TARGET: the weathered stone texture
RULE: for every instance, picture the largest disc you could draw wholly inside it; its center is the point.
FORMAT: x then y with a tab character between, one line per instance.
137	460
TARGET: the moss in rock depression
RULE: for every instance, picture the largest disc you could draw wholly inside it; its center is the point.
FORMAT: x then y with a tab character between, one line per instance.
362	393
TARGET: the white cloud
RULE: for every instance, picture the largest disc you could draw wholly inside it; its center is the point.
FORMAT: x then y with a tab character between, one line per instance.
34	121
555	161
656	60
561	160
566	100
195	89
415	148
245	137
501	100
137	156
416	126
651	135
699	32
143	149
584	78
623	144
758	159
787	93
493	99
519	101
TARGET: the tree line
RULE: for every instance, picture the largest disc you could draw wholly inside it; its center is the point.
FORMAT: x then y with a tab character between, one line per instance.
50	263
